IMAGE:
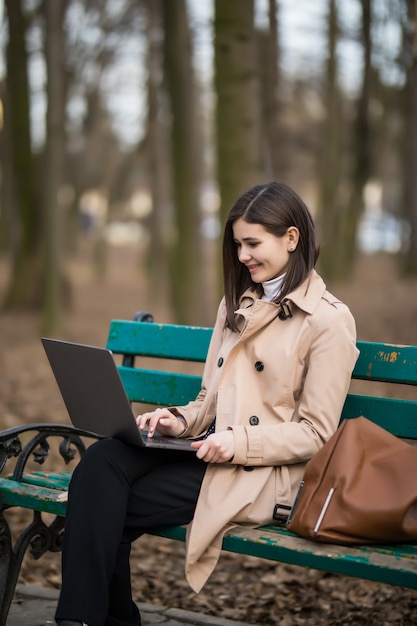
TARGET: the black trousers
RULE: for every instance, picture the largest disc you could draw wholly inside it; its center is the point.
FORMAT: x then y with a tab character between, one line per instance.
117	493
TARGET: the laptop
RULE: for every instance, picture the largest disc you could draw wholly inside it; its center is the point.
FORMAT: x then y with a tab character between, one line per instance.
94	396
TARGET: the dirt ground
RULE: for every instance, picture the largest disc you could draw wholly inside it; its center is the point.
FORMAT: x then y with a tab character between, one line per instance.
242	588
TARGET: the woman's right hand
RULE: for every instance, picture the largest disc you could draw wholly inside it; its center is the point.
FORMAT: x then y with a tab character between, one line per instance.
161	421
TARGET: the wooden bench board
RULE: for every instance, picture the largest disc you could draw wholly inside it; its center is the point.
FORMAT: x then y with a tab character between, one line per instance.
28	496
395	565
55	480
381	412
377	361
170	388
184	343
386	363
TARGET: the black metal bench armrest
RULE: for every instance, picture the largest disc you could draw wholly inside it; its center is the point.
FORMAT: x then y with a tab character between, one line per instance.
11	444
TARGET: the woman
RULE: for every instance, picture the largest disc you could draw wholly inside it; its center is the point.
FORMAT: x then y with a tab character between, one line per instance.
276	377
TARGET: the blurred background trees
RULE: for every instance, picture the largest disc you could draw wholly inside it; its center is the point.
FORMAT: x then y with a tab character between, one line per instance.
142	121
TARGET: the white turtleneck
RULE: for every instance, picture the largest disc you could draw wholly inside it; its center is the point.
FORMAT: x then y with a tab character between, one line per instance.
272	288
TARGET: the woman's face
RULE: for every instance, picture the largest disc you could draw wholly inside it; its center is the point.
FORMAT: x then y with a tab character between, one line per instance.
265	255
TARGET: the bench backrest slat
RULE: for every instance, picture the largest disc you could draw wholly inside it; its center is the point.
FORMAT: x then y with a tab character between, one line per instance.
386	362
397	416
169	341
159	388
377	362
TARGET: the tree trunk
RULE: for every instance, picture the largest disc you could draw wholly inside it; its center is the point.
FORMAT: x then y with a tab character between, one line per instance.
238	100
362	158
8	226
187	286
54	159
24	289
269	70
330	216
160	220
409	259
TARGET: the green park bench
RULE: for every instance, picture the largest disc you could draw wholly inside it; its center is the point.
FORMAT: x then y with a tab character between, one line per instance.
28	446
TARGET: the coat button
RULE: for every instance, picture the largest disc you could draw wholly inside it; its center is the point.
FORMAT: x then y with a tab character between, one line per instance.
254	420
220	362
248	468
259	366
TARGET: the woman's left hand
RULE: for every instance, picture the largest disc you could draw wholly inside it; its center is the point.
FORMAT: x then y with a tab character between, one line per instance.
217	448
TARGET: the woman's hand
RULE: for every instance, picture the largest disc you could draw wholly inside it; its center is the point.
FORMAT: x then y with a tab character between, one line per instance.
161	421
217	448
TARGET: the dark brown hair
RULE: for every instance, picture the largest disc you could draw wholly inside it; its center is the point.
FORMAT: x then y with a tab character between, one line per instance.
276	207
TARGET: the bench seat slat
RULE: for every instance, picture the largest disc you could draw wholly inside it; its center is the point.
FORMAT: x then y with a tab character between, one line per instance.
58	480
159	340
396	565
13	493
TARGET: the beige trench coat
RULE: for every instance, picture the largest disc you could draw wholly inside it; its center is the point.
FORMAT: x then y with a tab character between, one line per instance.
280	386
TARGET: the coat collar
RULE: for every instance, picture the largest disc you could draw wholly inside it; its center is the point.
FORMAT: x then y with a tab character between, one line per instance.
306	296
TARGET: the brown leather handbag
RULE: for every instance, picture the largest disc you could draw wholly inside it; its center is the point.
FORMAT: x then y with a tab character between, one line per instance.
360	488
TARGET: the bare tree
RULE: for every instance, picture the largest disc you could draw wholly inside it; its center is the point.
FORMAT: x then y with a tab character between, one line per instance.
95	159
186	168
158	163
24	289
8	226
269	70
361	162
238	100
238	110
409	261
330	172
54	160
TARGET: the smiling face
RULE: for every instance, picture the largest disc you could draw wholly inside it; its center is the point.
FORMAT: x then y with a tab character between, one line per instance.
265	255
